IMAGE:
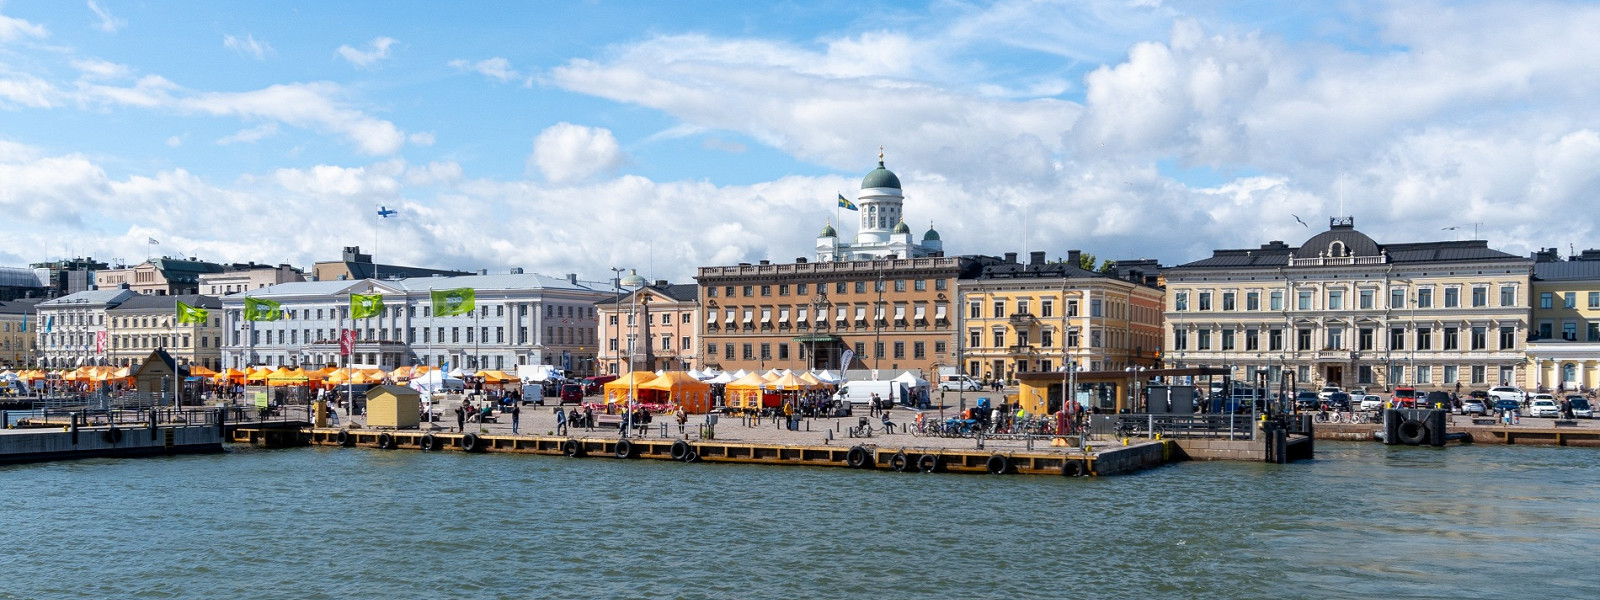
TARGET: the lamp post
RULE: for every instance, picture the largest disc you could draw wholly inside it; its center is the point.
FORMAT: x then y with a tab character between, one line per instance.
636	283
820	304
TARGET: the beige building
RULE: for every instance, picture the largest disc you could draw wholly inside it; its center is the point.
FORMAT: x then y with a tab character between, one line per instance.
1564	349
352	264
890	314
1342	309
1025	318
658	326
242	277
17	343
158	276
142	324
70	331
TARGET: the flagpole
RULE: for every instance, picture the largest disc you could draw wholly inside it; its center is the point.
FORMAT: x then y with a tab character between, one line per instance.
177	392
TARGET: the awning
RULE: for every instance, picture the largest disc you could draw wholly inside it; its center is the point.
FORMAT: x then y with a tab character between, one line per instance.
818	337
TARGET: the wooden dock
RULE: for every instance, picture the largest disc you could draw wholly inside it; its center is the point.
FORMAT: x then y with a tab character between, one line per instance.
1109	460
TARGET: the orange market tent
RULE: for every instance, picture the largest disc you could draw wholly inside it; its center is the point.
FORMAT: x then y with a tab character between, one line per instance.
233	375
789	383
283	377
617	391
367	377
496	377
199	371
681	389
811	379
402	374
746	391
257	374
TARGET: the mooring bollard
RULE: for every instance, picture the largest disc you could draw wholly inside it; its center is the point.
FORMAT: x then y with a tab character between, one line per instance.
827	436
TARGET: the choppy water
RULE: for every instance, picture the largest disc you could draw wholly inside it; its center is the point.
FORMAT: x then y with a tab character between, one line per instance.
1363	521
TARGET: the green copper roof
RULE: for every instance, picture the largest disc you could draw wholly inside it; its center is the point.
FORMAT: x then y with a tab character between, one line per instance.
901	227
880	178
931	235
827	231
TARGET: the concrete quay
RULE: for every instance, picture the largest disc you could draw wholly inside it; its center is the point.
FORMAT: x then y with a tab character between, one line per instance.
1529	432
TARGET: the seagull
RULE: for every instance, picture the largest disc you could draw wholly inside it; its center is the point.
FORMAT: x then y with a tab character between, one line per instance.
1297	219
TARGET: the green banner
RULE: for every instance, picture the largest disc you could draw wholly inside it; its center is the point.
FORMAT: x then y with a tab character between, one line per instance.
365	305
189	314
262	310
459	301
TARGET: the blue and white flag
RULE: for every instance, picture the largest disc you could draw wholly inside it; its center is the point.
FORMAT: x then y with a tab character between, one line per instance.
49	323
844	361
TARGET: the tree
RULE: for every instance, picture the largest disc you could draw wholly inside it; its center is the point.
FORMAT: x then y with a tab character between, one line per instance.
1108	266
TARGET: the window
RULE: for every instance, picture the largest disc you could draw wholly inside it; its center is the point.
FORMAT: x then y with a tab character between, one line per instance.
1072	308
1303	339
1252	301
727	351
1397	338
899	349
1546	329
1508	337
1276	300
1180	339
1275	339
1181	301
749	291
1228	302
1478	374
1202	339
938	347
1424	297
999	338
1424	374
861	287
1366	299
1252	340
1508	295
1546	300
1397	298
1450	341
1397	373
899	285
1451	374
939	285
1364	374
783	351
877	349
1303	300
1480	337
920	285
918	350
1571	300
1227	339
1424	338
975	310
1336	300
766	290
1480	299
976	339
1335	338
1593	333
1205	301
1047	308
1046	338
1095	309
783	289
711	292
1022	306
999	308
1452	297
749	352
1569	331
1364	338
877	286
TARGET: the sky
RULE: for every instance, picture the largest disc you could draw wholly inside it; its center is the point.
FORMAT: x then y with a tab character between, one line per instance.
575	137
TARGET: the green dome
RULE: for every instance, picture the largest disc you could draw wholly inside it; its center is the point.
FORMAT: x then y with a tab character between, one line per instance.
930	236
901	227
880	178
827	231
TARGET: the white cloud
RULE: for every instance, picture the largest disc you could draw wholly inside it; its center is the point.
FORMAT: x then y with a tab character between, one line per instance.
309	105
251	135
377	49
421	139
26	91
566	153
100	69
108	23
494	68
12	29
247	46
175	141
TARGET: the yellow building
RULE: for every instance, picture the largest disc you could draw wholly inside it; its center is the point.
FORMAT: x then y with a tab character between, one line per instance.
1035	317
144	323
1564	349
1343	310
17	342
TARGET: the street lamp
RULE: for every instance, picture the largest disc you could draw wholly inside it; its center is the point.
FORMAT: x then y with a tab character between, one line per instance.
636	283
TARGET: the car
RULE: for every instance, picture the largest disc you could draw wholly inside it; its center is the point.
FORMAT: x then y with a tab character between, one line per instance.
1480	394
1328	392
1404	396
1370	402
1306	399
1581	407
572	392
1504	405
1437	401
1506	392
1474	406
959	383
1339	401
1544	407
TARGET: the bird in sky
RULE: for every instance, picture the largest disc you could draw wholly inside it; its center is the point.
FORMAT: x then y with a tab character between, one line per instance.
1297	220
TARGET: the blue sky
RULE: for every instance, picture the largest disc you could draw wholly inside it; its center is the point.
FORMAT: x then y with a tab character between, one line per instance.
572	137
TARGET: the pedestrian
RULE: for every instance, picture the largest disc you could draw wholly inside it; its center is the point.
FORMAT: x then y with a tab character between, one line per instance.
461	417
516	417
588	417
561	421
683	419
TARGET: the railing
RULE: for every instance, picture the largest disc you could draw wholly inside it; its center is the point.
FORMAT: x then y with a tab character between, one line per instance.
1236	425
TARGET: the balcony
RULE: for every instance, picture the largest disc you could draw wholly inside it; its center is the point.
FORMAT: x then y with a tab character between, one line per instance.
1023	320
1021	349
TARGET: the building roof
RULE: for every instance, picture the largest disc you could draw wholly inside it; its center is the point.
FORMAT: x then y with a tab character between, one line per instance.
828	231
90	298
931	235
1567	270
880	178
184	271
19	277
167	303
18	307
678	292
366	270
1354	244
514	281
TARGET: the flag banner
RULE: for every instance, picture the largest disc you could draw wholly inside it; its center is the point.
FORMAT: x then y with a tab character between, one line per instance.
256	309
49	323
24	322
189	314
459	301
152	242
846	204
844	361
347	342
365	305
100	342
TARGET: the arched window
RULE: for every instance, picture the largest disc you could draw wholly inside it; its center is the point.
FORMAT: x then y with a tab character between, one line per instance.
1336	248
1569	373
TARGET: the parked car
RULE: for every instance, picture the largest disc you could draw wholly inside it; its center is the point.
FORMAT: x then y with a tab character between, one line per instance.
572	392
954	383
1370	402
1481	395
1581	407
1474	406
1306	400
1404	396
1544	407
1506	392
1504	405
1437	401
1339	401
1328	392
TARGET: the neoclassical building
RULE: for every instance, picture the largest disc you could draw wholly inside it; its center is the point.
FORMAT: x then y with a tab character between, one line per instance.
1342	309
883	232
1564	349
655	327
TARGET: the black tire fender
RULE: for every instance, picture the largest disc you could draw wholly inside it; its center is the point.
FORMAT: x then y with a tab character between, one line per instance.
343	438
386	440
428	442
928	463
113	435
899	462
1074	468
1412	432
471	442
624	448
997	464
857	457
572	448
680	450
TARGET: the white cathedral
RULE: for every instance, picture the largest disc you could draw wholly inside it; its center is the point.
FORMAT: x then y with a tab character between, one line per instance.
883	232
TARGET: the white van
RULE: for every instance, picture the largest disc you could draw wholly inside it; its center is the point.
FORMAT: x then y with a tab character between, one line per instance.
860	392
953	383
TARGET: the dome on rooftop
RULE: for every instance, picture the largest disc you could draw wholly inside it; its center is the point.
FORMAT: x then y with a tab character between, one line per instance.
880	177
828	231
901	227
931	235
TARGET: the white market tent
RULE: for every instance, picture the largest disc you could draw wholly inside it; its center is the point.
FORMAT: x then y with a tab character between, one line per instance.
911	380
530	373
723	377
434	381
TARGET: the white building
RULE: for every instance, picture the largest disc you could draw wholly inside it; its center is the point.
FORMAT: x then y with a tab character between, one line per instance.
519	319
883	232
72	329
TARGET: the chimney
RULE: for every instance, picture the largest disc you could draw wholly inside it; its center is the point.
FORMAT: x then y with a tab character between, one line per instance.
1036	258
800	261
1011	258
572	278
1074	257
483	271
661	283
766	262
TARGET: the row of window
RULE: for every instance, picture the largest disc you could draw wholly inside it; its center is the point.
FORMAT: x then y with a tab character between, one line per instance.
839	288
666	318
842	312
1423	374
748	351
160	341
665	343
1335	299
1569	300
393	312
1333	338
553	335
